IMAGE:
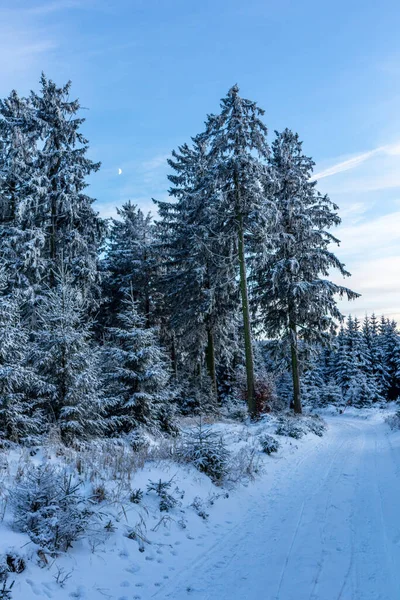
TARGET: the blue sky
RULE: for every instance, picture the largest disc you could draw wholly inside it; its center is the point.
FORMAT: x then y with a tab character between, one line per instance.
149	71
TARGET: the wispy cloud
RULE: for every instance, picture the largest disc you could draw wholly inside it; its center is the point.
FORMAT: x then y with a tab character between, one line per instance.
52	7
356	161
346	165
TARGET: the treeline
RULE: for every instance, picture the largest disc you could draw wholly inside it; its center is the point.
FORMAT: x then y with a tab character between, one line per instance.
361	367
108	325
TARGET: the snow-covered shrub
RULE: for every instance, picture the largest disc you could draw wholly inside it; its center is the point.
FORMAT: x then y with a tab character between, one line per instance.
244	465
136	496
99	493
206	450
268	443
11	562
161	488
48	507
394	420
290	427
6	590
316	425
138	440
199	507
235	408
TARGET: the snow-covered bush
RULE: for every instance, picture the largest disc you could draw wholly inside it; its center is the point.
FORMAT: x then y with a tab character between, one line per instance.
290	427
47	506
6	590
199	507
136	496
161	489
316	425
11	562
268	443
206	450
244	465
394	420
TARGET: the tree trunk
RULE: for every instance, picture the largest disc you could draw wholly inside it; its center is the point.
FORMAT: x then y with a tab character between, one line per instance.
210	358
295	369
251	400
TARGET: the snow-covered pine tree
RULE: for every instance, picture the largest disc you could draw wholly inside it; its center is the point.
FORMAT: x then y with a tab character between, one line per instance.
390	343
353	365
136	375
20	416
376	352
58	204
129	264
20	245
66	359
198	280
237	154
295	301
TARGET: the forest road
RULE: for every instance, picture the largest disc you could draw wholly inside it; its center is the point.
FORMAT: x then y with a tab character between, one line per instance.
323	526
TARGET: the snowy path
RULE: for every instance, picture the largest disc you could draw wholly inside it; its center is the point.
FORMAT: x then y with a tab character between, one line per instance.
324	526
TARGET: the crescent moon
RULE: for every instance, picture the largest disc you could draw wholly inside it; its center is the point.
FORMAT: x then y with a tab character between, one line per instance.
119	171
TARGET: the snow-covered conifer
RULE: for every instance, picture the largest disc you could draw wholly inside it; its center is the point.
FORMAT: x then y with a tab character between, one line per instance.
130	263
65	358
237	153
136	375
58	204
198	282
296	300
21	242
20	416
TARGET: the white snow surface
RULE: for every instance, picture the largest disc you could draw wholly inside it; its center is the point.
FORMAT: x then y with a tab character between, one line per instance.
320	522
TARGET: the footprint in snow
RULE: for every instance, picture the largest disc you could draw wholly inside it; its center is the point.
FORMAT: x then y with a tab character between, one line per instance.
133	569
125	583
35	589
79	593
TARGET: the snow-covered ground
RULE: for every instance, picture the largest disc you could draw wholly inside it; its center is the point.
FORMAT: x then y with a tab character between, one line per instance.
320	522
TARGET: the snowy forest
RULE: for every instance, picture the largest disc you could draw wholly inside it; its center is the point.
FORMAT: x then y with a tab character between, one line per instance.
223	298
153	366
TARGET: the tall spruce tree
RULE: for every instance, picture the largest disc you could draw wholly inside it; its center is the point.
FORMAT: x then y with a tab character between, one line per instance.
295	302
58	205
20	245
198	280
237	154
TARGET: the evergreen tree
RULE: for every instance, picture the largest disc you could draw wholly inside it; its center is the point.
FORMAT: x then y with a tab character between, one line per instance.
136	376
130	264
236	161
390	342
20	246
295	301
20	416
198	281
67	361
58	205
